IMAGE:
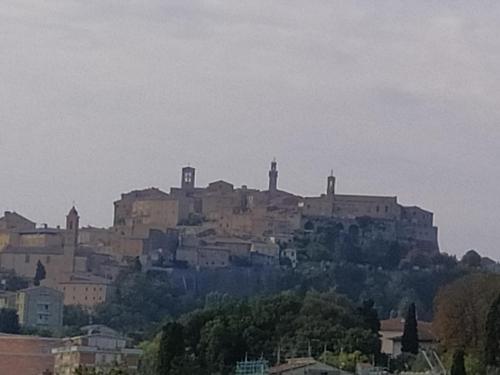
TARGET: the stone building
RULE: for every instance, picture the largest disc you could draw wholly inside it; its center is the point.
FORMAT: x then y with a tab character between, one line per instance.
258	216
101	348
85	290
12	221
204	257
53	247
391	332
40	307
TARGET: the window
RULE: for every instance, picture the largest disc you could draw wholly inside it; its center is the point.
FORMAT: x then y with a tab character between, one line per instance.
378	209
26	258
43	319
48	259
386	208
42	307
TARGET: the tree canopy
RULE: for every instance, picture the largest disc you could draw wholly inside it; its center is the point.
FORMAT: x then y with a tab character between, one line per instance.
216	337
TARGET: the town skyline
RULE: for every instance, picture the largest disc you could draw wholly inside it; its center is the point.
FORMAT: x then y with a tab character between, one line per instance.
202	181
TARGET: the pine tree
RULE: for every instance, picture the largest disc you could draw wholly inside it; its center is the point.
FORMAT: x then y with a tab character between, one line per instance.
172	348
409	341
492	342
40	273
458	366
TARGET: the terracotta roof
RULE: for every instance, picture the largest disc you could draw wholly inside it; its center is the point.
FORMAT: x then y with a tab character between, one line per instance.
292	364
425	331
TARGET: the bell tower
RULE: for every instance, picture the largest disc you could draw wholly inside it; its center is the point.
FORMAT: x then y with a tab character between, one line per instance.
187	181
72	227
273	177
330	187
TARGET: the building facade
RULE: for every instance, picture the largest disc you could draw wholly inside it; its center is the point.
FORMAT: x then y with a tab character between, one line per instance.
101	348
40	307
27	355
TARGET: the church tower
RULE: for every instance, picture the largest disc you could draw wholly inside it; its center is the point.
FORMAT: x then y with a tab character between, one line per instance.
72	227
187	181
330	187
273	177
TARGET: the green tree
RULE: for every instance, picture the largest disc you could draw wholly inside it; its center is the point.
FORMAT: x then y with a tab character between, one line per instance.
141	303
492	332
9	321
76	316
149	358
171	349
40	273
471	259
458	364
14	283
369	315
461	310
409	341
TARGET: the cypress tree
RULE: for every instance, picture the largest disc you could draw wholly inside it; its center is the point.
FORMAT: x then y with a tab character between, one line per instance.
458	366
172	347
40	273
492	341
409	341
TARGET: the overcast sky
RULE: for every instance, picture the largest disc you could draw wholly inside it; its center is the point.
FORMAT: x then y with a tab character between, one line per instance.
100	97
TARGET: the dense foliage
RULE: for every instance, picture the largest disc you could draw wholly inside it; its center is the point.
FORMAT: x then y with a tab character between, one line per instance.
461	311
492	341
93	371
458	364
9	321
213	339
462	323
141	302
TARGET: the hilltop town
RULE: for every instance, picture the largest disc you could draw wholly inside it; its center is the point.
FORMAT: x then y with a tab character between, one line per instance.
197	240
198	254
216	226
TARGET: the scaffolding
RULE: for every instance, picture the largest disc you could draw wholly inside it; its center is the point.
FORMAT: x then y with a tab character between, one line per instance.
246	367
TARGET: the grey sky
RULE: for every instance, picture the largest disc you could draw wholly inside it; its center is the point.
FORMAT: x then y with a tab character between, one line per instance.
99	97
